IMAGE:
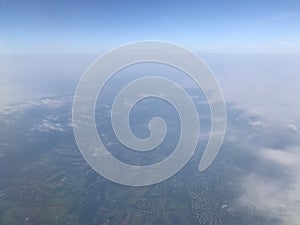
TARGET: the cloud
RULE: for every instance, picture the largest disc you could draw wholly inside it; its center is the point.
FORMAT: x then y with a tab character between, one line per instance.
293	127
265	85
280	157
277	198
268	198
44	102
47	126
59	122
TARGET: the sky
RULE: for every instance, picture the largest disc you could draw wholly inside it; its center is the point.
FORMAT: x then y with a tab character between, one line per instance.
268	30
93	26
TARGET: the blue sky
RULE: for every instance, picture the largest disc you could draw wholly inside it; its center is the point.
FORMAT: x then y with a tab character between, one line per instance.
93	26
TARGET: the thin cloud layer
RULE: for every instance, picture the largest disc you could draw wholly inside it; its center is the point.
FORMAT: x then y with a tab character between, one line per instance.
277	198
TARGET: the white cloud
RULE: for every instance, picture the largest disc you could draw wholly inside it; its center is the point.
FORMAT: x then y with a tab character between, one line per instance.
293	127
280	157
47	126
268	198
47	102
274	197
266	85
